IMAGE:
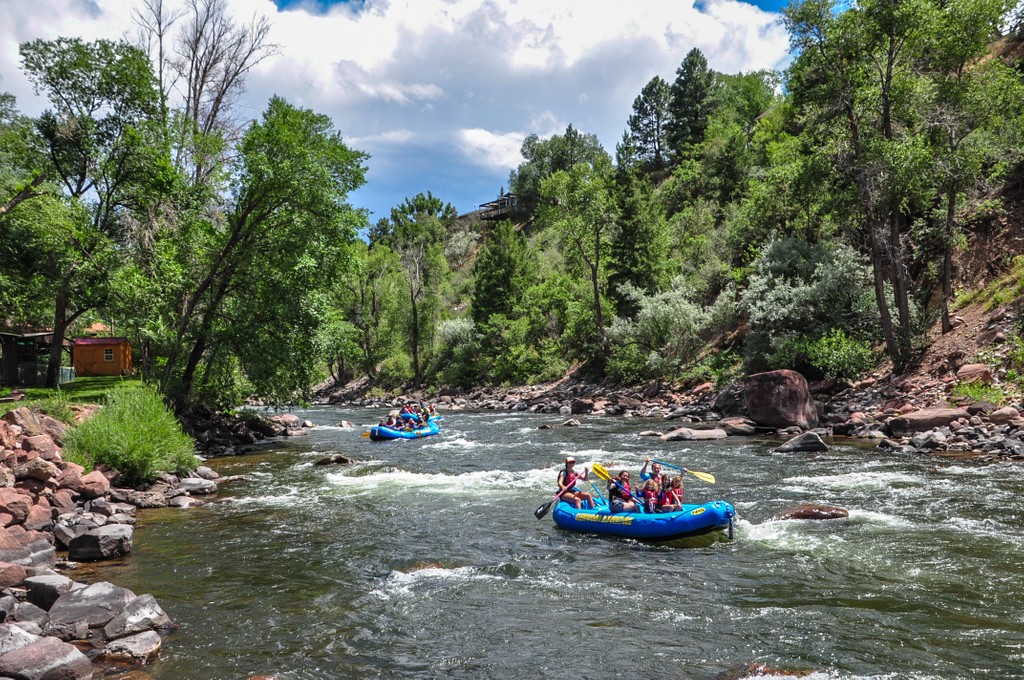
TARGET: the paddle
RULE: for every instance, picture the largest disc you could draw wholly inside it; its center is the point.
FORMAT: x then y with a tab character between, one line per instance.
703	476
602	472
543	509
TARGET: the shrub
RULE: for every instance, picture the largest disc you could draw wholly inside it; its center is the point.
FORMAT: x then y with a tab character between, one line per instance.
978	391
135	434
841	357
805	290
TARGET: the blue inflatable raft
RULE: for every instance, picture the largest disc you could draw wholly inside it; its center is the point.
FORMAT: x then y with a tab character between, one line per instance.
711	521
381	433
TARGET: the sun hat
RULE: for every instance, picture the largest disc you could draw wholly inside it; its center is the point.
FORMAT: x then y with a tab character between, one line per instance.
570	459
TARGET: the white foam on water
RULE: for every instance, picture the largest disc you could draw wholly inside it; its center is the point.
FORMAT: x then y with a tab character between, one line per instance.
864	481
291	497
477	482
782	534
460	443
875	517
402	584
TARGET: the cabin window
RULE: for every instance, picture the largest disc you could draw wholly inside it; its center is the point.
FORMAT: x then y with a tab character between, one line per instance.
108	355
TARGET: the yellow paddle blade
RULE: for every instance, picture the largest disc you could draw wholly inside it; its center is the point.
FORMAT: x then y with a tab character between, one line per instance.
703	476
601	472
366	434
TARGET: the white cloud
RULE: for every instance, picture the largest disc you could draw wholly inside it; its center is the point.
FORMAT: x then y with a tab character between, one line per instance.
497	151
411	79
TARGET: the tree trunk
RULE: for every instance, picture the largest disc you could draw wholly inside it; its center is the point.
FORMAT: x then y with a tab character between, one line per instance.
415	340
57	342
947	261
878	269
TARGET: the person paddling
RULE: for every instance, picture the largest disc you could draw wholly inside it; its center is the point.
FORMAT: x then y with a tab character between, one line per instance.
620	496
567	478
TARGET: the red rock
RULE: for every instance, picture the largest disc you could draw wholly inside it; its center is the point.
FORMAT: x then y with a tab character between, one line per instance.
925	419
39	518
810	511
11	574
780	399
702	388
973	373
24	418
42	444
15	504
1004	415
94	485
71	480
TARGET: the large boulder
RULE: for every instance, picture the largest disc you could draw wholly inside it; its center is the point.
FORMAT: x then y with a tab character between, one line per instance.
43	591
924	419
103	543
46	658
94	485
198	485
780	399
729	402
94	605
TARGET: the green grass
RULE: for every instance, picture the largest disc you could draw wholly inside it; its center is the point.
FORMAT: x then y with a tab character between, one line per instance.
78	391
979	391
1004	290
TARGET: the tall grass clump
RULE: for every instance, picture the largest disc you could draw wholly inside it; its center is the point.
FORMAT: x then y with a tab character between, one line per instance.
134	433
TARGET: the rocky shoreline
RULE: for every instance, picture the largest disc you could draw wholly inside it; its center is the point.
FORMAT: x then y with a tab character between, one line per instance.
904	415
54	515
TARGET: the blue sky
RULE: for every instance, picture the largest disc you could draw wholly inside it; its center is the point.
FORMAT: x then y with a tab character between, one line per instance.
441	93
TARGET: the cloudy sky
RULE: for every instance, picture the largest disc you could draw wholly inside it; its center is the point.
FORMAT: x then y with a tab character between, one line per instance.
441	93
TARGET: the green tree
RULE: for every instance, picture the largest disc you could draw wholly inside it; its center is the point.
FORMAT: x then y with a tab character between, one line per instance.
544	157
579	205
416	232
503	271
640	244
648	123
853	80
284	237
98	139
690	103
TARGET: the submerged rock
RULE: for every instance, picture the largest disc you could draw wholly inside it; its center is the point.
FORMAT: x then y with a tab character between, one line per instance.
811	511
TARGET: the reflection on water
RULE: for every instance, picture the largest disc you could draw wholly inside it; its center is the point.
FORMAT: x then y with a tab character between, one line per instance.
423	559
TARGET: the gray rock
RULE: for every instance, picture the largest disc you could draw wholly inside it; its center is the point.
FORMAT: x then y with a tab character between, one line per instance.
140	648
687	434
184	502
104	543
142	614
95	605
196	485
808	441
43	591
204	472
13	638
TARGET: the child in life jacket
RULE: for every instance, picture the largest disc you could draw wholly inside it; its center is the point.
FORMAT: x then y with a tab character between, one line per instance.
650	494
671	497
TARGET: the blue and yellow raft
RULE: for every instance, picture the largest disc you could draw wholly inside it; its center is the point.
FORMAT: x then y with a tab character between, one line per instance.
711	522
381	433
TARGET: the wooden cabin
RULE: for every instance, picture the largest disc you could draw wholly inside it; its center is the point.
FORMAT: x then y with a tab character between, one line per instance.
504	207
101	356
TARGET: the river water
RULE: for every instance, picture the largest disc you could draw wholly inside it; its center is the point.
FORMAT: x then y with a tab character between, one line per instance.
424	560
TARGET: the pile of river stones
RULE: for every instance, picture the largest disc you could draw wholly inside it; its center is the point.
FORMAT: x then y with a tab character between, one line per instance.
54	515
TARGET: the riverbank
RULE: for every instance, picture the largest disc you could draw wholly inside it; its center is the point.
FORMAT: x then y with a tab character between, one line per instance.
54	515
921	410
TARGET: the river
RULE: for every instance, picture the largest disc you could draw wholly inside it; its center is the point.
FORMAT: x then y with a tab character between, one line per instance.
424	560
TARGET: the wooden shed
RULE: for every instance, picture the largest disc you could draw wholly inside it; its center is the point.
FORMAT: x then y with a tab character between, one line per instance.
101	356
